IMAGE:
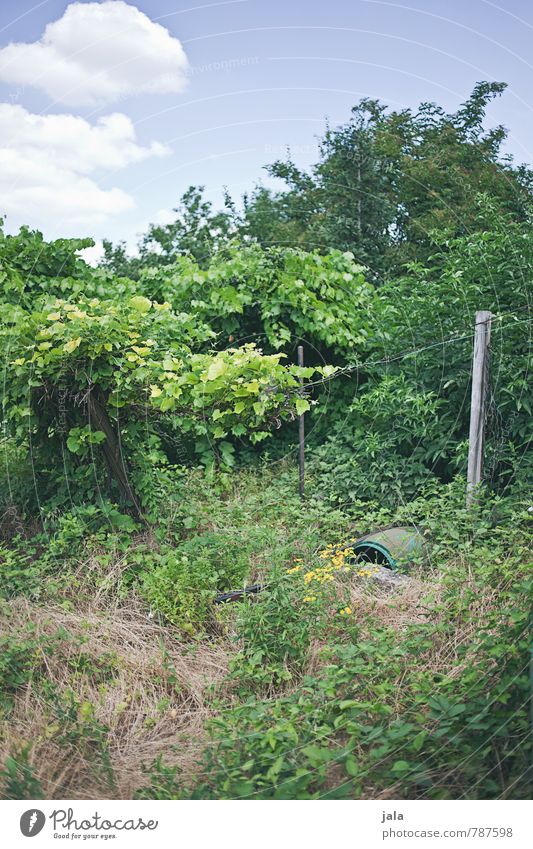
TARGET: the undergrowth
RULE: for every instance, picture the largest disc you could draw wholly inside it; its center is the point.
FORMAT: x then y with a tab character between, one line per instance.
350	687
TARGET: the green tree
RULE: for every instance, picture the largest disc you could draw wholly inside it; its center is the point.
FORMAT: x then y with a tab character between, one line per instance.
196	231
283	219
386	180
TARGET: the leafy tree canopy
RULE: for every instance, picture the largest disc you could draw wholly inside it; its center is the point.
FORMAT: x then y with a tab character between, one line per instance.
387	179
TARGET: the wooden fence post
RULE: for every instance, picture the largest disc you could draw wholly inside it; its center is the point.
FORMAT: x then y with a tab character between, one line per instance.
480	382
301	432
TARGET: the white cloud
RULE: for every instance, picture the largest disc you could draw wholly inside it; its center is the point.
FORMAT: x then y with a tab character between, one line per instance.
98	53
46	160
92	256
164	217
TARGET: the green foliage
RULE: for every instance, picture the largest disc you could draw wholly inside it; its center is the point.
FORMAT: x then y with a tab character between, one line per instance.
346	202
382	711
73	346
275	630
387	446
181	582
276	295
386	179
17	662
489	270
100	373
408	420
181	587
163	779
30	267
18	777
197	231
22	568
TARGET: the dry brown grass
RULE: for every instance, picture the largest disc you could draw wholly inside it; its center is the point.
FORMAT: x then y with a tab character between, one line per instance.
396	605
415	599
157	693
154	703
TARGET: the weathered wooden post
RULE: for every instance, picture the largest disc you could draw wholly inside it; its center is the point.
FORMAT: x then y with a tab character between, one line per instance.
480	382
301	432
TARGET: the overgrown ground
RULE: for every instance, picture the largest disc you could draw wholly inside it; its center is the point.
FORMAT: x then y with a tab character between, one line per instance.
120	678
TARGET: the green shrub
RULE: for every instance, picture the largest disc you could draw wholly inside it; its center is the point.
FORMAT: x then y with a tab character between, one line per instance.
275	630
383	446
181	588
18	777
164	781
19	662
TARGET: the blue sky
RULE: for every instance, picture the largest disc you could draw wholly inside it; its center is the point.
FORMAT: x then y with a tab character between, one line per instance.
222	92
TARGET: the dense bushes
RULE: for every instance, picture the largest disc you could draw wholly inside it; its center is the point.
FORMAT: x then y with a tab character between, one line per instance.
272	296
108	383
387	446
92	380
403	421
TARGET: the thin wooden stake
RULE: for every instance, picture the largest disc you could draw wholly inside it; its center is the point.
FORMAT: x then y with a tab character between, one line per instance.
480	382
301	432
